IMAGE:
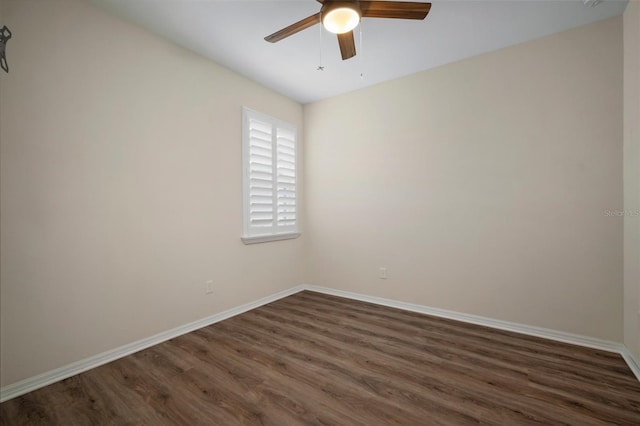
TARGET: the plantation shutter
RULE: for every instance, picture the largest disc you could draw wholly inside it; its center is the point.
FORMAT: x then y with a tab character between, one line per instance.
260	175
270	197
286	177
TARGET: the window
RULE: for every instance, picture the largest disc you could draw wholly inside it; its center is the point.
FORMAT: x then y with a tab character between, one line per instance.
269	178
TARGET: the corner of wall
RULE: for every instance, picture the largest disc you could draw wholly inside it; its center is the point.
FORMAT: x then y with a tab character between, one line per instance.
631	43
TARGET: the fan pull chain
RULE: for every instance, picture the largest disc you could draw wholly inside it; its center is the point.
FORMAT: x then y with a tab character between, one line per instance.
361	53
320	67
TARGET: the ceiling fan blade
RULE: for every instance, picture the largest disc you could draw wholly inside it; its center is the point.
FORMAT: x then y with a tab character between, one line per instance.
394	9
347	45
294	28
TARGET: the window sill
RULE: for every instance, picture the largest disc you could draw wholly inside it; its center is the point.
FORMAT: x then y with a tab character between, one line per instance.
268	238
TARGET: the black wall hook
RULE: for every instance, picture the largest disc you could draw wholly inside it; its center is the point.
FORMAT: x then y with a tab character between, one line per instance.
5	35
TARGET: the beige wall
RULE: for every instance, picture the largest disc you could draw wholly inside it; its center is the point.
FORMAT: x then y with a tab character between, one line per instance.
632	177
121	187
481	185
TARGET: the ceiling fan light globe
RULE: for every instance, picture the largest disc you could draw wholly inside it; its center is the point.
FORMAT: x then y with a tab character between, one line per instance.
341	20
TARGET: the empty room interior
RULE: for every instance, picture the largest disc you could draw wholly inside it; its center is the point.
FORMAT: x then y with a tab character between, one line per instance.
219	212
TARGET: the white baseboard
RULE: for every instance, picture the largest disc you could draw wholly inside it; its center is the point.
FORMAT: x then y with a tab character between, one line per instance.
49	377
560	336
632	362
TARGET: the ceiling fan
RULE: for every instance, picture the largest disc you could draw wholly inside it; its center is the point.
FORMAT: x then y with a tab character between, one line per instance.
342	16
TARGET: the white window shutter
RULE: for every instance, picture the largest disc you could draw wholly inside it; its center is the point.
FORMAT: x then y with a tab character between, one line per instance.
286	178
260	175
270	181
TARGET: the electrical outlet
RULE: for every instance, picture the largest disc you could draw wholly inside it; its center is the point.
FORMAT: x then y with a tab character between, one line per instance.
382	273
208	287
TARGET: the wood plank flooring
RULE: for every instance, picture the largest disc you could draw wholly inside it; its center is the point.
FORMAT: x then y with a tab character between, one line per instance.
314	359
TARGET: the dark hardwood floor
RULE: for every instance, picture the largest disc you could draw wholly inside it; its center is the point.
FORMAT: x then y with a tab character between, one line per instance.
313	359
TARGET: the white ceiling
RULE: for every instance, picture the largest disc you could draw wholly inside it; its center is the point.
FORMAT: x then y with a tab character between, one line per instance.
231	33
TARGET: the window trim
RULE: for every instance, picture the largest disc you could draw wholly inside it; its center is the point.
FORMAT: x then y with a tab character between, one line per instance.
272	235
